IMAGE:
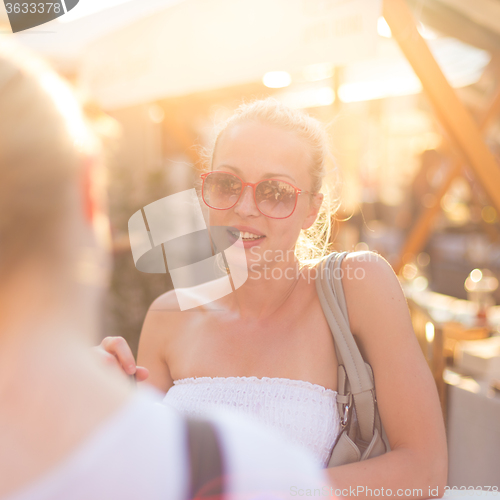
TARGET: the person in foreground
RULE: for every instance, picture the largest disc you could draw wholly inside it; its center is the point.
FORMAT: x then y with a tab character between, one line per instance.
266	349
71	427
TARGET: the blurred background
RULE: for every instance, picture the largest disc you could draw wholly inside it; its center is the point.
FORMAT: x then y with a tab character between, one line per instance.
420	177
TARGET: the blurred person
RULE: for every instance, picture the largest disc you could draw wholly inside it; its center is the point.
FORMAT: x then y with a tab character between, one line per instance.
420	195
71	427
266	349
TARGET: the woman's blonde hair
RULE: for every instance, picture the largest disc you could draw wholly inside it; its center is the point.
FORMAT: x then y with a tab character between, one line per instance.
313	243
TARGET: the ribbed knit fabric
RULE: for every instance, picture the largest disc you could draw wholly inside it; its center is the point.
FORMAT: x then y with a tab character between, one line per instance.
303	412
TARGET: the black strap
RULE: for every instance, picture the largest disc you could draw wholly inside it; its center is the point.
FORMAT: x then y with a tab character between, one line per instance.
205	456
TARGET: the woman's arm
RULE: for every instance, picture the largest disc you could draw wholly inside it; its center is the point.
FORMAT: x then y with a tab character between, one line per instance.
153	342
153	345
407	397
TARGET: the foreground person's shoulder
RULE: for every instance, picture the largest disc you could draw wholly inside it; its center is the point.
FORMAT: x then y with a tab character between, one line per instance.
257	462
135	452
262	462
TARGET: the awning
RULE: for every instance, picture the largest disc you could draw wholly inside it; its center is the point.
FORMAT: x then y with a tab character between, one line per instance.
200	45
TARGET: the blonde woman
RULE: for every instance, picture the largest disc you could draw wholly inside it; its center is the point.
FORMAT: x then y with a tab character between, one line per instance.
266	349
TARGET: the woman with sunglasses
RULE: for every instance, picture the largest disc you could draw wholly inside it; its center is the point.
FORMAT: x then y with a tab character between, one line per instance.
266	349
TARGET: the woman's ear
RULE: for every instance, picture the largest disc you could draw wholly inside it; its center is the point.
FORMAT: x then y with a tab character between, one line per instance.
315	205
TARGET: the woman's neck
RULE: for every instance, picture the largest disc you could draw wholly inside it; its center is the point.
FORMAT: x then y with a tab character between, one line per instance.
267	288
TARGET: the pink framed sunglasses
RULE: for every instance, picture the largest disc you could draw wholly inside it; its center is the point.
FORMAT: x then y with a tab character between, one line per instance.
273	198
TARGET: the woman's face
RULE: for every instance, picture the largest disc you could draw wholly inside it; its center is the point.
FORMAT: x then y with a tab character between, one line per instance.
256	151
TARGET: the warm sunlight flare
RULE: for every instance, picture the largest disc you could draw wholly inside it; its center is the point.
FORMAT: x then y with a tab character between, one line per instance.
429	331
68	107
308	98
88	7
365	91
317	72
277	79
383	28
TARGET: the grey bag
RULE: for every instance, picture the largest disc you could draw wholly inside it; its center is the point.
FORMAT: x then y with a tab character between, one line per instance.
362	435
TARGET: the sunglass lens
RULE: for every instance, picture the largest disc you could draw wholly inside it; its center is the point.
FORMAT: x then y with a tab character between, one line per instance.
221	190
276	198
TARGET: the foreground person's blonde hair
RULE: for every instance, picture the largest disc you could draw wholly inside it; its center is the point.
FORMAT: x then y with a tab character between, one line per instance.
44	140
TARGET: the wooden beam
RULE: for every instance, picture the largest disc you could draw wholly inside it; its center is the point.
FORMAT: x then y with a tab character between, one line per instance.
462	130
421	230
451	22
454	117
491	113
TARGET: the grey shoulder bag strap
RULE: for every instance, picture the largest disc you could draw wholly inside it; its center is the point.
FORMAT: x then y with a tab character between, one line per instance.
206	461
362	435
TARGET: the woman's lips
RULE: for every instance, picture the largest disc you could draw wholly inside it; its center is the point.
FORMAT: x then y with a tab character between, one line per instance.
244	243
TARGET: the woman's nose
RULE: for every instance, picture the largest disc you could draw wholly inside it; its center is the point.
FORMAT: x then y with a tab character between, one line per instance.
246	204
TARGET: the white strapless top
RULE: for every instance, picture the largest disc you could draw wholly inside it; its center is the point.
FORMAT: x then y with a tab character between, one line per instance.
303	412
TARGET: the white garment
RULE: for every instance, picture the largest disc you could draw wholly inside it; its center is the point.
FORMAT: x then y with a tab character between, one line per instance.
140	453
304	413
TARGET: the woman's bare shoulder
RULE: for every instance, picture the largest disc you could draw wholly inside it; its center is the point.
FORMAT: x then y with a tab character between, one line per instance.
166	302
163	332
371	287
166	313
365	269
163	323
163	319
365	257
